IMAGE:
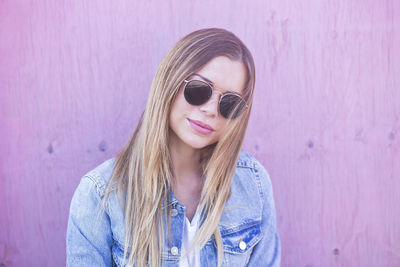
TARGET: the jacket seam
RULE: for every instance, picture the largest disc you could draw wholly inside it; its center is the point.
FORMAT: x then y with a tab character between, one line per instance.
256	172
98	185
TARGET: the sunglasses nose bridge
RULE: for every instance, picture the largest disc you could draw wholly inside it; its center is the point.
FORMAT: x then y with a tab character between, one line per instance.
212	105
215	97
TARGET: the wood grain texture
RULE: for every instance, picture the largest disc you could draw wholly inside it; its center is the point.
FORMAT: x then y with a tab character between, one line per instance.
74	78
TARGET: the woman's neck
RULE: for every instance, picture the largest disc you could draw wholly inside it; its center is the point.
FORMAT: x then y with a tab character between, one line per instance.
187	182
185	160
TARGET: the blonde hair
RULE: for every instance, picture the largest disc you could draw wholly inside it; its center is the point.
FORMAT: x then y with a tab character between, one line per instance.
143	169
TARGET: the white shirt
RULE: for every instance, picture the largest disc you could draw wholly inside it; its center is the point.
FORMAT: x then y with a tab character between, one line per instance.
189	231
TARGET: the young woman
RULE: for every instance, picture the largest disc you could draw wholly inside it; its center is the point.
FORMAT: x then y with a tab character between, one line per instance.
181	193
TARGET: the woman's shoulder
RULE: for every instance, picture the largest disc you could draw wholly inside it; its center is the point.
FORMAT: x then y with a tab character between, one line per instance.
100	175
244	208
251	180
92	228
247	160
258	171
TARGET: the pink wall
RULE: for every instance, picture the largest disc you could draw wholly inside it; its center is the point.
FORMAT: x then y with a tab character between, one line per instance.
74	76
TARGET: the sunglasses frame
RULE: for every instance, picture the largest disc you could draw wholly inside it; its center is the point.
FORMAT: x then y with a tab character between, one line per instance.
221	95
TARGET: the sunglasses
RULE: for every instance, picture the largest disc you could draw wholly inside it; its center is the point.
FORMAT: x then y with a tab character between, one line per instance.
198	92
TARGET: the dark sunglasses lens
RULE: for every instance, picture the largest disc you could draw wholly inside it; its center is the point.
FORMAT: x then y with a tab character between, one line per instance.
197	92
231	106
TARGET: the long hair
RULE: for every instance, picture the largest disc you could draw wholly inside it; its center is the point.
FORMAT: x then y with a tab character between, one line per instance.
143	171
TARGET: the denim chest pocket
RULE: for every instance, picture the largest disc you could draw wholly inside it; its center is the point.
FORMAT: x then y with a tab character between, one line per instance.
239	242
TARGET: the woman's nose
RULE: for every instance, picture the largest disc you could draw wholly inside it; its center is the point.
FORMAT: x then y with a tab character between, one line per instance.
211	106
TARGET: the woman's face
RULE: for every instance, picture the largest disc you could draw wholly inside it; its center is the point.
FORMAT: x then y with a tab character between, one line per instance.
186	120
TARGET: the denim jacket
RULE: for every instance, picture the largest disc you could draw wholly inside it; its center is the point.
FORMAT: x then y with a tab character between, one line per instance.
247	225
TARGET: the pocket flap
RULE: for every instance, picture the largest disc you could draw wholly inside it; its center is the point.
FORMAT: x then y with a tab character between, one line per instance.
241	238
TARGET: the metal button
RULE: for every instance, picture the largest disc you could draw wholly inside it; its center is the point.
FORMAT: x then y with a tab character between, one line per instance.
174	212
174	251
242	245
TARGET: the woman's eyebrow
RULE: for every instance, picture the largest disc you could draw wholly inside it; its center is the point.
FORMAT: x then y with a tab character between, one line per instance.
204	78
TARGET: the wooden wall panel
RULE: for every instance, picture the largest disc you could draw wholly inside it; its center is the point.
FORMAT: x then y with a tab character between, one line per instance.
74	77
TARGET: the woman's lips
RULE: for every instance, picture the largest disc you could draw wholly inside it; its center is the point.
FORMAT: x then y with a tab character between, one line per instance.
200	127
